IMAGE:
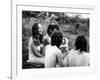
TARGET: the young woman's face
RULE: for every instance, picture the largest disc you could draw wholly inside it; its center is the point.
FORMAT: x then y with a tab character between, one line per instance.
40	29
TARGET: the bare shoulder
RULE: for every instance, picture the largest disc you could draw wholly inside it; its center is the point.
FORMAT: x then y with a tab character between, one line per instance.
30	40
59	53
87	55
72	51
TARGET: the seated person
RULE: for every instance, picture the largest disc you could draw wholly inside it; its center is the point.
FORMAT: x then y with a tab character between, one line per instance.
53	54
64	46
78	56
35	44
50	29
45	43
47	37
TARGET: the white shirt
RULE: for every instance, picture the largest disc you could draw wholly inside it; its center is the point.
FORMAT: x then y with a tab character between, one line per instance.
52	53
76	59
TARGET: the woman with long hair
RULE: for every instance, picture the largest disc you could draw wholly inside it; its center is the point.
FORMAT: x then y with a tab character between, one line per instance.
35	45
78	56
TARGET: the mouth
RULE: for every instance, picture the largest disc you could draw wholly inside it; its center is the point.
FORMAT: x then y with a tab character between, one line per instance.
40	32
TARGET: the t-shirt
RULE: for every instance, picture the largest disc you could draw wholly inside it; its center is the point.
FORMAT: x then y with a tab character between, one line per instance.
76	59
52	53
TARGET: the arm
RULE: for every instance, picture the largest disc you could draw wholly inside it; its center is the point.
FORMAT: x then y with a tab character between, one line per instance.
66	45
34	50
60	59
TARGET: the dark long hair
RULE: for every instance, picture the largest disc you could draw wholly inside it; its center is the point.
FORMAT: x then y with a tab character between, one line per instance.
81	43
51	28
56	38
35	34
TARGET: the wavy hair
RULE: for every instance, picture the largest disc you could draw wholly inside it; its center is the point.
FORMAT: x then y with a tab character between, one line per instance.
81	43
51	28
56	38
35	33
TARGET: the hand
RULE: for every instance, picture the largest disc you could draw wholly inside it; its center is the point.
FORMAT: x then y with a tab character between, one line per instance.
64	55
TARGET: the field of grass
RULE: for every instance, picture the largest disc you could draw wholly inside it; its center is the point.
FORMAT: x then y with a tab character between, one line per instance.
69	30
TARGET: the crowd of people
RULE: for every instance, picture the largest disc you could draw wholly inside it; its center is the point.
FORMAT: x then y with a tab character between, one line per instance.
52	49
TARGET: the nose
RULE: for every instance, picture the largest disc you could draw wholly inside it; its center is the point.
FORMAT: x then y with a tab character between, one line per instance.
40	31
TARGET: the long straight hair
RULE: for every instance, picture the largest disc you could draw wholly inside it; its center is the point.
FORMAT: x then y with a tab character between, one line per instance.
35	34
81	43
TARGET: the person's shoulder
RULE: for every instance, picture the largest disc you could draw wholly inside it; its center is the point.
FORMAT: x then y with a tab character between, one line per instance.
57	51
86	55
30	38
71	53
48	46
66	39
30	41
54	49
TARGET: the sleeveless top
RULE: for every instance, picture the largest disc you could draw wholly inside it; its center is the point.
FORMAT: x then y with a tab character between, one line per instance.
32	46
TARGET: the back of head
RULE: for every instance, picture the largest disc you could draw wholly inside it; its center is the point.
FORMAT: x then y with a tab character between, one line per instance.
51	28
81	43
56	38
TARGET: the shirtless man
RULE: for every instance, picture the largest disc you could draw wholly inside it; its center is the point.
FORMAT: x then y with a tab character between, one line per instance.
53	54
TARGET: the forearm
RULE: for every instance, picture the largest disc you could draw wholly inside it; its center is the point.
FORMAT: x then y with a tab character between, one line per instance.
60	61
39	55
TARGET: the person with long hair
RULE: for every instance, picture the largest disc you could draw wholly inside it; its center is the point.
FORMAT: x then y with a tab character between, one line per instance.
78	56
50	29
47	38
35	45
53	55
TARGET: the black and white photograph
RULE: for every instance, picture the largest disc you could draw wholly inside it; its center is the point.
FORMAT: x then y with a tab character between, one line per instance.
51	40
55	39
